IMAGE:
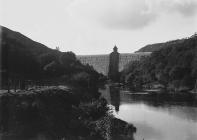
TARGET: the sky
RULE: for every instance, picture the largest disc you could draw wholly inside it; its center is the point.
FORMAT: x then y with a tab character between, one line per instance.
95	26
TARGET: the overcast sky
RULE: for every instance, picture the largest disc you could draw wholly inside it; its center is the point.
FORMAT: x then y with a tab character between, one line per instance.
95	26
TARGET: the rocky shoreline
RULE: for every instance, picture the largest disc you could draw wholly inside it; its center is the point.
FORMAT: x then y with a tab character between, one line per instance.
54	113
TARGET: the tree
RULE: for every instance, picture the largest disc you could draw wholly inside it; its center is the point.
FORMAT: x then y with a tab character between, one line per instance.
81	79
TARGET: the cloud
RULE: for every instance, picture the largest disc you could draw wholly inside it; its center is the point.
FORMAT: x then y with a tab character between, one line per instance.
113	13
128	14
186	8
131	15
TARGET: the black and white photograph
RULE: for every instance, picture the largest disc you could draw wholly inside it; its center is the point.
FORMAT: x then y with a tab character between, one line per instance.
98	69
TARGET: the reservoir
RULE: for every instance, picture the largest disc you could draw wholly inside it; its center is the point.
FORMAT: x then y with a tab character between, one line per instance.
154	120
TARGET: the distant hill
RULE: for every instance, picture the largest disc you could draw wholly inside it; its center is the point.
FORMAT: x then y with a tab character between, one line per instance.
151	47
25	59
21	56
158	46
25	41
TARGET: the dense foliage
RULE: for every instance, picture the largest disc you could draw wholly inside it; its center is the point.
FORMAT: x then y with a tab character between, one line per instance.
174	67
55	114
24	59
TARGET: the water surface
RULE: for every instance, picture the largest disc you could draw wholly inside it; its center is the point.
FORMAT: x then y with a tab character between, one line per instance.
153	120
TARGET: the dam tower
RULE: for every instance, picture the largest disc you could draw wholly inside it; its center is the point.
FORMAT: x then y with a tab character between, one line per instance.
113	72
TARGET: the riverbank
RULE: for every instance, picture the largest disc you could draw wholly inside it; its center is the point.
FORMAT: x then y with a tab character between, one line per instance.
187	95
163	96
154	116
55	113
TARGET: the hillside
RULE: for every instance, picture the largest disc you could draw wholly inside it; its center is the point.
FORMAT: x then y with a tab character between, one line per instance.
158	46
174	66
25	59
151	47
18	37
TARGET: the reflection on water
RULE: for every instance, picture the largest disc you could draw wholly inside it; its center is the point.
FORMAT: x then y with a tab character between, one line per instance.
155	120
115	97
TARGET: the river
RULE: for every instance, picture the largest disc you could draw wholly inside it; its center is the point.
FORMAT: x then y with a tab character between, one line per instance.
153	120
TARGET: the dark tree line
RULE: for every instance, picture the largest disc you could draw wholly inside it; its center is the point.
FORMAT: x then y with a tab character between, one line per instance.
174	66
24	60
